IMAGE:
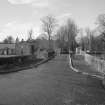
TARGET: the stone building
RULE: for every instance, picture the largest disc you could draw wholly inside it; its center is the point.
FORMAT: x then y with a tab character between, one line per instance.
19	48
26	47
7	49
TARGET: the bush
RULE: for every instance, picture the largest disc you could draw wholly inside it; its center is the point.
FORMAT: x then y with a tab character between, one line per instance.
13	60
51	53
64	51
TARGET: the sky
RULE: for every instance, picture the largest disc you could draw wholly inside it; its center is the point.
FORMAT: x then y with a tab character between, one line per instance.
17	17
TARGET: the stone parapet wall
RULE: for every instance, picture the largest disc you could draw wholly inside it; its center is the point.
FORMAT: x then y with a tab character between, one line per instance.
98	64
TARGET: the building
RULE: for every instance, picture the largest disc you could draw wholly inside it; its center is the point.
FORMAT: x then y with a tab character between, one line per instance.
26	47
19	48
7	49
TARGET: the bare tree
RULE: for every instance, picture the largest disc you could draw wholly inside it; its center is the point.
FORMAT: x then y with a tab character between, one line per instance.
9	39
101	26
48	25
101	20
81	39
89	37
66	34
61	40
71	33
30	33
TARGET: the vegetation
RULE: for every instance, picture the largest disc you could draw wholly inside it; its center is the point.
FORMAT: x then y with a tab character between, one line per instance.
66	35
92	43
48	25
30	33
9	40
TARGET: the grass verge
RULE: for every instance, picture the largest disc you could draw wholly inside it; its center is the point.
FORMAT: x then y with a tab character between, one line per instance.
22	66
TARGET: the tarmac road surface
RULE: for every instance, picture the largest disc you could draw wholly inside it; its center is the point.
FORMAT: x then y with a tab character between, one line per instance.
53	83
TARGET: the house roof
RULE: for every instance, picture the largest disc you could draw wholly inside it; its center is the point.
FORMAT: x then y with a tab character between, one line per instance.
4	45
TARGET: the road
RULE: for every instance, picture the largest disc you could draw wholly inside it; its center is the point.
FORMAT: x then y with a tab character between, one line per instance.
53	83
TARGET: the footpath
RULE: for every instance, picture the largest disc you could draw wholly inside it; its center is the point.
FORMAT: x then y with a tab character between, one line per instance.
81	66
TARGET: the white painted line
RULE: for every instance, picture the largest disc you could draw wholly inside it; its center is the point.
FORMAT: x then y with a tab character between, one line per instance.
72	66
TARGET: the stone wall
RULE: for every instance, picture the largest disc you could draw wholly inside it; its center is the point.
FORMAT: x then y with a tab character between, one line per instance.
42	54
98	64
22	49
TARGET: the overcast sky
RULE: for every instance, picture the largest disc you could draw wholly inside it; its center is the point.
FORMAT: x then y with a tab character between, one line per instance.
18	16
